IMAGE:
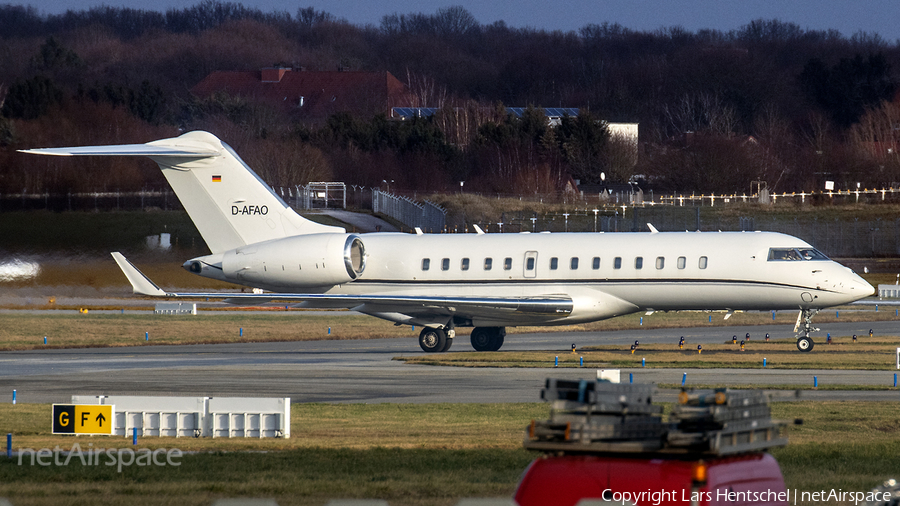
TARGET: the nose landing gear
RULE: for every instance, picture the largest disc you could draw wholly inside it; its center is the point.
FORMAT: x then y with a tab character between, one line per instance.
804	342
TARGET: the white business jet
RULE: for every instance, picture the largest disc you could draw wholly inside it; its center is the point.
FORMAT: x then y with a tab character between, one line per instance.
486	281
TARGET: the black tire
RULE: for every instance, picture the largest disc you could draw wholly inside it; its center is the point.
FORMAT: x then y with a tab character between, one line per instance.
432	340
448	344
497	340
481	338
805	344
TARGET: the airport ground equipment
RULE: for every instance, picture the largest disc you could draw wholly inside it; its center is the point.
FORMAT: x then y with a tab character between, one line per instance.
609	442
595	416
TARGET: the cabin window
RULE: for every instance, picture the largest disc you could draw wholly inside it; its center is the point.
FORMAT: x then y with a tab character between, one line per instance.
703	262
595	264
554	263
507	264
488	263
682	262
639	263
617	263
529	264
426	263
660	262
573	264
464	265
445	264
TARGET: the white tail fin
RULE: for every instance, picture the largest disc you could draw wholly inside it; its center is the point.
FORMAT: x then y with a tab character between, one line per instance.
229	204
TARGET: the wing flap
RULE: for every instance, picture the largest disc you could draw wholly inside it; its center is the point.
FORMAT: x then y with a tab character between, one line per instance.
552	305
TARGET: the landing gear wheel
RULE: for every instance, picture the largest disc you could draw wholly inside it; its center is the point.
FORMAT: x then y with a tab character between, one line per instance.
481	339
497	340
448	344
805	344
432	340
488	338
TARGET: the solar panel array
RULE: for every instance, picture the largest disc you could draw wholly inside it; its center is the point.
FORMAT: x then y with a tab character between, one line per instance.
549	111
414	112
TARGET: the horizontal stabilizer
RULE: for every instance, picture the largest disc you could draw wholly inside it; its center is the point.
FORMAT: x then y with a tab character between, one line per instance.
128	150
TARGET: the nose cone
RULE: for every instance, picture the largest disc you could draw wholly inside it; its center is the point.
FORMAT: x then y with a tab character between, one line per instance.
858	288
864	287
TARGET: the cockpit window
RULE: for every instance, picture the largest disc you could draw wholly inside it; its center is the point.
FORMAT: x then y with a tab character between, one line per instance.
795	254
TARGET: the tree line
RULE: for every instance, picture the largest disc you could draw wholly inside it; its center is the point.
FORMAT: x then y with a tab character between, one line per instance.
717	110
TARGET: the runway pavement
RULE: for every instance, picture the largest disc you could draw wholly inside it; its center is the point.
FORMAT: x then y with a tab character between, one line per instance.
364	370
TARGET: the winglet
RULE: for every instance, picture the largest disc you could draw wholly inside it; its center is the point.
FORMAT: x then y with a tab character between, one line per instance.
652	228
140	284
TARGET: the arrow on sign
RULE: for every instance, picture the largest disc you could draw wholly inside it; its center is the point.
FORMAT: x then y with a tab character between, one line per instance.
100	419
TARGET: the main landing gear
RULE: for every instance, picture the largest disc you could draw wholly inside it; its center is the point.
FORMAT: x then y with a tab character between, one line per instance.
439	339
804	342
436	340
488	338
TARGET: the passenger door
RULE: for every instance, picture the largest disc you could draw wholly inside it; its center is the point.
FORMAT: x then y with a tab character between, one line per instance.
530	264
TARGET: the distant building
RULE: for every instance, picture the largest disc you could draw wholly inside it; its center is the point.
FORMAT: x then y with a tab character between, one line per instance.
554	114
614	193
624	133
312	95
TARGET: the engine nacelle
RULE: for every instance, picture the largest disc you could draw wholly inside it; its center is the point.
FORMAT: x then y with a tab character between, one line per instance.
300	261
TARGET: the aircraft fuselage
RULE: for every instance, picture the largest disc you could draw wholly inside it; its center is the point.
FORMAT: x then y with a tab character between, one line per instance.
605	274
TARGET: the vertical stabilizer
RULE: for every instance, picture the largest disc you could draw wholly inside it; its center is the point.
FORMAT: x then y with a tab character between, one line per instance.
228	202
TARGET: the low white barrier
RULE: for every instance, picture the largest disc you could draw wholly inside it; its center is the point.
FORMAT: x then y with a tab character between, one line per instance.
197	416
175	308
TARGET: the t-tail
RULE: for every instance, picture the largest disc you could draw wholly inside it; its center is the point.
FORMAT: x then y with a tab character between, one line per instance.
228	202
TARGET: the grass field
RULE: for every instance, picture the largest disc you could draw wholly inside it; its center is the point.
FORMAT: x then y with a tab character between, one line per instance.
406	454
26	330
872	354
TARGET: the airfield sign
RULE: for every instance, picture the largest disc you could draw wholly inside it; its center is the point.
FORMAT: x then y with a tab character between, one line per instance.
83	419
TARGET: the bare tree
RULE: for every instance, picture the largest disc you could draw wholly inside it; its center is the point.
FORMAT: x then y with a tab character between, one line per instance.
425	91
700	113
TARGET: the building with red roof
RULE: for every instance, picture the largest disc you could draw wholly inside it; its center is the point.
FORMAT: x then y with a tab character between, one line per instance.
312	95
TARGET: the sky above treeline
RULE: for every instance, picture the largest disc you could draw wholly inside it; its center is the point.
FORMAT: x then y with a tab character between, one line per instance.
849	17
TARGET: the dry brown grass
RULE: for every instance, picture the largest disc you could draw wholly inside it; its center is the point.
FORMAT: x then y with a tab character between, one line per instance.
867	354
26	331
347	426
411	455
440	426
102	272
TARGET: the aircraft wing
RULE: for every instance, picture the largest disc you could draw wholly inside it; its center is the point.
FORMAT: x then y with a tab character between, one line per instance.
405	307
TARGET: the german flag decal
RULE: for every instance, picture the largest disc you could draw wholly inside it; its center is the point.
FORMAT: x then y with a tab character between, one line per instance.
217	179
